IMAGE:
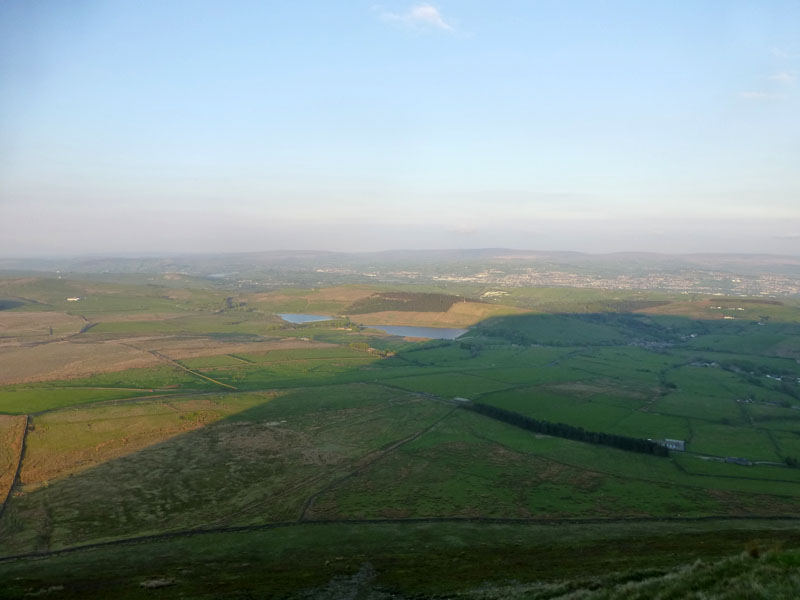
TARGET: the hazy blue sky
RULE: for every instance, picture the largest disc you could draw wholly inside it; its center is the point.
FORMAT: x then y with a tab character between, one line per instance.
165	125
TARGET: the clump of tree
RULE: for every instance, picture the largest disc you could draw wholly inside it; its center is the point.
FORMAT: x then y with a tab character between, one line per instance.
473	347
569	432
790	389
791	461
232	303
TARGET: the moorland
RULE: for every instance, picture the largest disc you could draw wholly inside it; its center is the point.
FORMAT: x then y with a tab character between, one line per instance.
169	434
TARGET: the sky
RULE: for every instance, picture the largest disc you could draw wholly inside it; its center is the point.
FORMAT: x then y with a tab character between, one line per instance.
178	126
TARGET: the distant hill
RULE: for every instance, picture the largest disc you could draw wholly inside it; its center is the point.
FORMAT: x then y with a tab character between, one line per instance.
500	267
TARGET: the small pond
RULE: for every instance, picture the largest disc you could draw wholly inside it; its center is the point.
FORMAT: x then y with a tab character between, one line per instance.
434	333
303	318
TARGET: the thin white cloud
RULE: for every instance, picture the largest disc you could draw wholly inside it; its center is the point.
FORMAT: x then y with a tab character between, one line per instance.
784	77
760	95
420	16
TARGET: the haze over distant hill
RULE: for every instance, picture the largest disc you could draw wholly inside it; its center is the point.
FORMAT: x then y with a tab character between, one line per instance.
503	267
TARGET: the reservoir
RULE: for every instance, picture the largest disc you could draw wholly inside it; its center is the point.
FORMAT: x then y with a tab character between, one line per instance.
303	318
435	333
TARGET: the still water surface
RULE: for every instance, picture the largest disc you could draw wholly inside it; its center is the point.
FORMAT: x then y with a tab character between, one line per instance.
434	333
303	318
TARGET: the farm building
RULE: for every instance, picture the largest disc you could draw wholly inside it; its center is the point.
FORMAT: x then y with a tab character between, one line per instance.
678	445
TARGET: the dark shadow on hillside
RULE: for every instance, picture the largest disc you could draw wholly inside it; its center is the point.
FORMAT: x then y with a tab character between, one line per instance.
249	466
617	328
9	304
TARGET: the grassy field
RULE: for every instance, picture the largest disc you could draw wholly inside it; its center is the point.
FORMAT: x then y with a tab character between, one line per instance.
185	409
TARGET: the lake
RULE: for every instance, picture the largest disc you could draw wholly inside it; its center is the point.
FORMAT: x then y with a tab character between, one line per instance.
435	333
303	318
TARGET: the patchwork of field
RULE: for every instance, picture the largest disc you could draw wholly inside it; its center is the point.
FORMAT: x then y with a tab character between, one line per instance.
460	314
136	428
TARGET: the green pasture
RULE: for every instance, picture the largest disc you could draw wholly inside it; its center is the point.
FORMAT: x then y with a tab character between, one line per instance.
448	385
18	400
552	330
544	404
649	425
611	461
775	344
157	378
302	354
453	470
556	373
710	408
726	440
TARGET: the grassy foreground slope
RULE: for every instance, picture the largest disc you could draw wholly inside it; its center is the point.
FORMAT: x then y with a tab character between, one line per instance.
424	560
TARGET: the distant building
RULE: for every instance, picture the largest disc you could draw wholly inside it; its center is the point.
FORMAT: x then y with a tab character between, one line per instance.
458	399
74	299
738	461
678	445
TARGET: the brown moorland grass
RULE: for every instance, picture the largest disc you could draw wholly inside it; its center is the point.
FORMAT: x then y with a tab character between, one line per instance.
65	360
344	293
72	359
68	441
119	317
180	348
37	324
12	431
461	314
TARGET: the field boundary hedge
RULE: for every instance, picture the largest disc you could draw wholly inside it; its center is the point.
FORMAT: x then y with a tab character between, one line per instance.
570	432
